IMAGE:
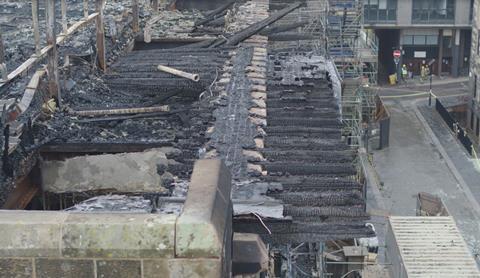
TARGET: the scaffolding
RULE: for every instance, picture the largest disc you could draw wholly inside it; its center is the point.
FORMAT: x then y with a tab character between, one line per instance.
355	55
309	35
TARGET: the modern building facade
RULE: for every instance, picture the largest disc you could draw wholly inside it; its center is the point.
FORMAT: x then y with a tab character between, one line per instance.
436	31
473	116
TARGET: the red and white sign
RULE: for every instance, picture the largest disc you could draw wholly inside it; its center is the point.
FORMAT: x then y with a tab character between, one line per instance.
397	54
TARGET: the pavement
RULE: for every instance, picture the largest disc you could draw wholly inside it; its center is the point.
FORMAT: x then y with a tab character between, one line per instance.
465	168
423	156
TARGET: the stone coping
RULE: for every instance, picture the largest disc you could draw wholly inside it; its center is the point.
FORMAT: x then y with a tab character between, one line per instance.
201	231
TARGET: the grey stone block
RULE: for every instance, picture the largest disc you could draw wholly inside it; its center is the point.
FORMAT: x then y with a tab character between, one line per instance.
127	172
201	228
191	268
16	268
156	268
119	236
48	268
30	233
119	269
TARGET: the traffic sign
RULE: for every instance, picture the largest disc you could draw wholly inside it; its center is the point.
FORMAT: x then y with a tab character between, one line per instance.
397	54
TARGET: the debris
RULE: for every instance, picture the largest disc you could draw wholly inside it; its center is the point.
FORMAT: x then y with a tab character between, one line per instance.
105	112
190	76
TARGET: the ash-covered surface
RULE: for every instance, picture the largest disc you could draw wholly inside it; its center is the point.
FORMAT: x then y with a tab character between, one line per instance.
83	69
114	203
317	174
84	87
17	30
234	132
128	204
177	24
183	127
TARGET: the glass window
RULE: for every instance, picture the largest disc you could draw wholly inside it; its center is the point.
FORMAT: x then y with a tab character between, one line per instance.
432	40
431	11
407	40
419	40
382	4
380	10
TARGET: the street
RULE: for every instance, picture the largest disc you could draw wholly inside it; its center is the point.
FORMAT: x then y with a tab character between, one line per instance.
415	162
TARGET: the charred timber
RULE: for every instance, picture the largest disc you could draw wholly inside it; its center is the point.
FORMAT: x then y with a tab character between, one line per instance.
305	122
257	27
305	143
342	211
308	155
282	28
218	12
92	147
303	168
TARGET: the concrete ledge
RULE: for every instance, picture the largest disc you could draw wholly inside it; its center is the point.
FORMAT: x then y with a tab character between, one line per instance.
118	236
44	234
31	233
192	268
201	228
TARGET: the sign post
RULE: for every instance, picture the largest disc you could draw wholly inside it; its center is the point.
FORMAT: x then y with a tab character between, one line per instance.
396	59
396	56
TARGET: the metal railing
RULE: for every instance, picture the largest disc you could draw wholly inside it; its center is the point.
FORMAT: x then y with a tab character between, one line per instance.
375	15
427	16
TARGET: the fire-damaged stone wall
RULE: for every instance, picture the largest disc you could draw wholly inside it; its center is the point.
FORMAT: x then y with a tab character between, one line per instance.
61	244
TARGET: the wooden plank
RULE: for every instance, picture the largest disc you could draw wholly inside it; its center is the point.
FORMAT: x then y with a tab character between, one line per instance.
52	55
155	6
30	90
99	4
136	25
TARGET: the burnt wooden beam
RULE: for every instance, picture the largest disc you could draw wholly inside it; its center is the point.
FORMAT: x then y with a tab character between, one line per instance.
155	6
257	27
36	32
22	195
85	8
135	23
52	55
63	4
3	66
100	32
121	111
30	90
220	11
6	167
89	148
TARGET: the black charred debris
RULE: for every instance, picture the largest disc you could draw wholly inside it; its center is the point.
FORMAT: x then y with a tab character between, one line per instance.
304	150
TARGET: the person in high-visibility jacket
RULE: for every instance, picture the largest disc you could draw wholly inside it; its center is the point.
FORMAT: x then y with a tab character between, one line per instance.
423	73
404	72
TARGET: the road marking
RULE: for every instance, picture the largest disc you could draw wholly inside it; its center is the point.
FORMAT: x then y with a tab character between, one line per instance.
422	93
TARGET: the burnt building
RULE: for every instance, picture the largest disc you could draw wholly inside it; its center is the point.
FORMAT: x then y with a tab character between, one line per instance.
109	134
423	30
